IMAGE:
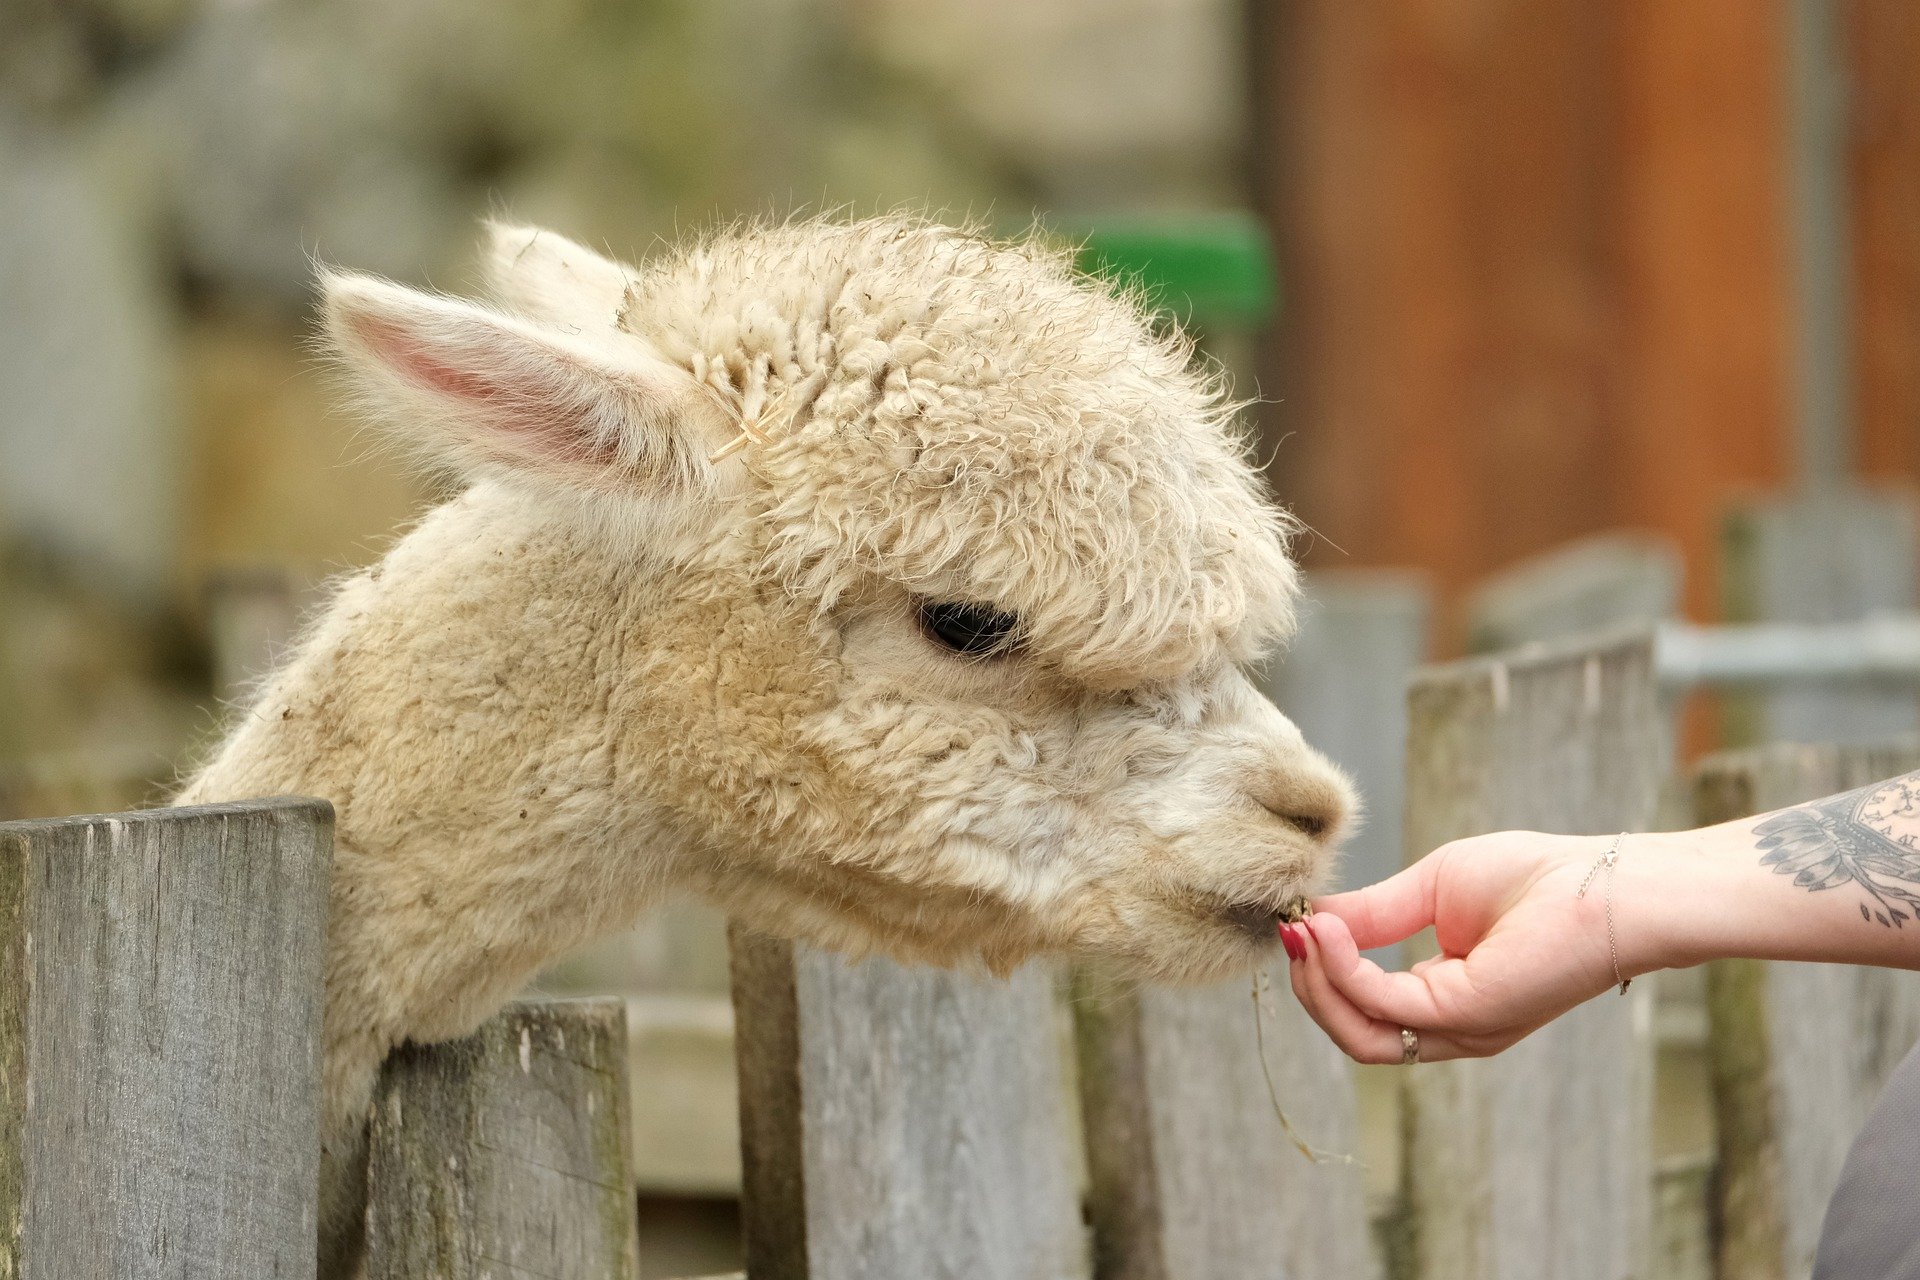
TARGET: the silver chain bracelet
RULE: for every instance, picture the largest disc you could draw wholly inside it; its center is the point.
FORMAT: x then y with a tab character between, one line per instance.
1607	860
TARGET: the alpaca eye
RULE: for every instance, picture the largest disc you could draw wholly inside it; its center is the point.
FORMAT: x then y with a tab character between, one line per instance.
972	629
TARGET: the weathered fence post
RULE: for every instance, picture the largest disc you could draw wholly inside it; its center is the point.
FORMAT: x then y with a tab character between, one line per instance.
1534	1165
160	980
1193	1175
902	1122
506	1150
672	967
1825	557
1609	581
1798	1050
1598	583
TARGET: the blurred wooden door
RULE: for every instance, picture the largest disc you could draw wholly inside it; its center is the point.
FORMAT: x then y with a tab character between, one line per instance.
1537	271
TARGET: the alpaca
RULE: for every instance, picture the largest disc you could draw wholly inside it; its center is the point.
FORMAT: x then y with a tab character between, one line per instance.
888	585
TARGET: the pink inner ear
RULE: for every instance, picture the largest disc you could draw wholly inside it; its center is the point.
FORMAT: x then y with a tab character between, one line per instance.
405	357
548	420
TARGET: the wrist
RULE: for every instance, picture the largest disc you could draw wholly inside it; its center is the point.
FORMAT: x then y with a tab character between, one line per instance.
1665	885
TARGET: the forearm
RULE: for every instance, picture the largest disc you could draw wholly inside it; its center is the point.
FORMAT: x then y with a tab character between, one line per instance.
1834	880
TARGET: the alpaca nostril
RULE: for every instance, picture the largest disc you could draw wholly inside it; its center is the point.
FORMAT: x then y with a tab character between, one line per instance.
1316	817
1315	801
1309	825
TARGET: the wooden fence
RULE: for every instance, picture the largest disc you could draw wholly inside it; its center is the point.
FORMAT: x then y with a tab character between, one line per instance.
158	1072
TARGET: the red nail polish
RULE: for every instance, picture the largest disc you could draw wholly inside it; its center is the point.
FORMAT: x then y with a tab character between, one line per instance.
1290	939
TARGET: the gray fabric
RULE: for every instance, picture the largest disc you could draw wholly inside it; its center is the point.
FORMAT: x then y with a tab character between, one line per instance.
1872	1229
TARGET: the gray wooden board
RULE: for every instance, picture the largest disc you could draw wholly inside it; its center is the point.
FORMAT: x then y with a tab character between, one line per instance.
902	1122
1608	580
1343	681
672	966
160	978
1826	557
1815	1041
1535	1164
1193	1175
505	1153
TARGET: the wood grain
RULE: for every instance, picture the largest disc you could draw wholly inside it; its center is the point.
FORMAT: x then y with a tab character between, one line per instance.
160	978
1193	1177
1799	1051
505	1153
1534	1165
1607	580
902	1122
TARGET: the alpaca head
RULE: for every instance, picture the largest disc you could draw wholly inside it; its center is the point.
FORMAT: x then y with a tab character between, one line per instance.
950	566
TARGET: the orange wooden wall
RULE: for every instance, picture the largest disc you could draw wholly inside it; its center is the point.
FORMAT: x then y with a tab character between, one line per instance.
1883	44
1537	268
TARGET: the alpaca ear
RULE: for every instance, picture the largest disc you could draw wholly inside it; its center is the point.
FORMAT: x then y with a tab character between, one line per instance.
488	391
545	276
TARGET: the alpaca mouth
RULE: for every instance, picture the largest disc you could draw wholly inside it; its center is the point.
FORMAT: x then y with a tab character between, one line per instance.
1258	920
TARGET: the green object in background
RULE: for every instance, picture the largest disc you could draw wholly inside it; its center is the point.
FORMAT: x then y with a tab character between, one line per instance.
1210	270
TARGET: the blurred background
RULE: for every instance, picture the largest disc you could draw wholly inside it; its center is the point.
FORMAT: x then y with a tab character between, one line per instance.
1504	273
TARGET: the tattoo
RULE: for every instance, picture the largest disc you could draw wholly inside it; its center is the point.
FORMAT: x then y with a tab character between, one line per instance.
1865	837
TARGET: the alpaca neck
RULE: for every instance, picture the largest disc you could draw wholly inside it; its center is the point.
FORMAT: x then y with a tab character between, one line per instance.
452	704
460	705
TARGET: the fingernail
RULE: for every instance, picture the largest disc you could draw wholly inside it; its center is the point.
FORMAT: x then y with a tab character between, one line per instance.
1290	939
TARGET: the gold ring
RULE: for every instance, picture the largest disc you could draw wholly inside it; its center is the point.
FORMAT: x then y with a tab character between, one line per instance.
1409	1046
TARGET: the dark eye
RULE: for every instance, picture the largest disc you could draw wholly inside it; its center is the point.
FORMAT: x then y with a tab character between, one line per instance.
972	629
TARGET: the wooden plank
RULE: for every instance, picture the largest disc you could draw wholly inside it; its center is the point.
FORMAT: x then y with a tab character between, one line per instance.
1799	1051
672	966
1343	681
1683	1227
775	1216
1824	557
505	1153
1193	1176
160	979
902	1122
1593	584
1608	580
1535	1164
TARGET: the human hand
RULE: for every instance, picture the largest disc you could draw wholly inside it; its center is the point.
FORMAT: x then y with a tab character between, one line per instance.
1517	947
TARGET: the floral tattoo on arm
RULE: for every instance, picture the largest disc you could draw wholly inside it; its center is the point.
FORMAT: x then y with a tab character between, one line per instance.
1865	837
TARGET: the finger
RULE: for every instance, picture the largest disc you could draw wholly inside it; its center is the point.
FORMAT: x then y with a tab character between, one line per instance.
1359	1036
1385	913
1404	999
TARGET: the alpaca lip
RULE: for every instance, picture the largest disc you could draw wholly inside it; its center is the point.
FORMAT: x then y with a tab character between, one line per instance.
1258	920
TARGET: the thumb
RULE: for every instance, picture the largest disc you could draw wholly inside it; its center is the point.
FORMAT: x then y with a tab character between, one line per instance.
1385	913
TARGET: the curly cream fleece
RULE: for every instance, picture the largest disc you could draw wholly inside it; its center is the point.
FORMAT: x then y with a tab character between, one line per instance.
634	655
